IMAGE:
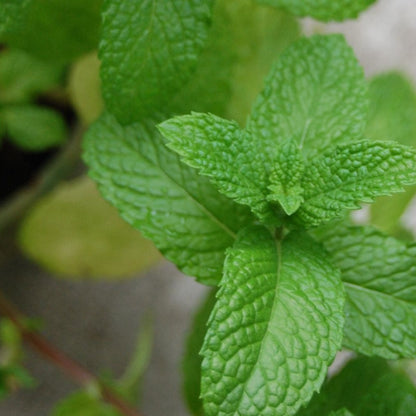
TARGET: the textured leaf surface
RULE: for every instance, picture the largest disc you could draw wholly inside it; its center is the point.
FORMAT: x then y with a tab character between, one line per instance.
392	116
191	364
229	156
22	76
341	178
74	233
34	128
379	273
55	30
322	9
276	326
314	94
148	51
286	177
366	387
187	219
244	40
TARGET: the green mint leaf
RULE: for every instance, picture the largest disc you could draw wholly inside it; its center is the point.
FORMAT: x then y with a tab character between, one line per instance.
148	50
366	387
9	12
276	326
315	94
230	157
244	40
92	242
285	178
82	404
392	115
34	128
192	360
324	10
341	412
352	173
185	216
55	30
23	76
379	273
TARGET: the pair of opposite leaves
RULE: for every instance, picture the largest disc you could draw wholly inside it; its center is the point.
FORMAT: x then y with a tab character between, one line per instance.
279	317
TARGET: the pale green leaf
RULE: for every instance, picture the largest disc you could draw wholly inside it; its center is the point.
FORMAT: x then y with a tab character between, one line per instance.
276	326
192	360
185	216
392	115
366	387
324	10
23	76
84	88
55	30
352	173
379	274
230	157
73	232
244	40
34	128
82	404
148	50
315	94
286	177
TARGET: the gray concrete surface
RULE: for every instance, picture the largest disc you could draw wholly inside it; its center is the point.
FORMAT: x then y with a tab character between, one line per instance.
97	322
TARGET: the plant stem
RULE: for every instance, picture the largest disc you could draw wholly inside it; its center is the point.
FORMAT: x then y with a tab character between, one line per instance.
60	167
74	370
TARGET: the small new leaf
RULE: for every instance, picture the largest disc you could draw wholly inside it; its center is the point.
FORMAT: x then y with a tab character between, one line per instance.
185	216
285	178
230	157
315	94
324	10
358	172
276	326
379	274
148	50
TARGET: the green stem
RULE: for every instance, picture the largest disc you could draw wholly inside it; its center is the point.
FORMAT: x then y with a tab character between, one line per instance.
74	370
59	168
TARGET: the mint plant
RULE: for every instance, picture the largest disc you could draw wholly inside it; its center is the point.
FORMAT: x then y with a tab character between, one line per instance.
254	198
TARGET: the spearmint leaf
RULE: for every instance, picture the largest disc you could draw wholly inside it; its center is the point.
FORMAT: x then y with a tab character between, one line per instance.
276	326
360	171
23	76
10	11
185	216
229	156
324	10
55	30
366	387
286	177
34	128
315	94
148	50
191	364
392	115
379	274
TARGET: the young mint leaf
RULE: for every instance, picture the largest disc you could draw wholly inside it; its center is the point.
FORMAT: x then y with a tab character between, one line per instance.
230	157
22	76
379	274
191	364
315	94
366	387
148	50
185	216
34	128
392	115
286	176
55	30
324	10
276	326
360	171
